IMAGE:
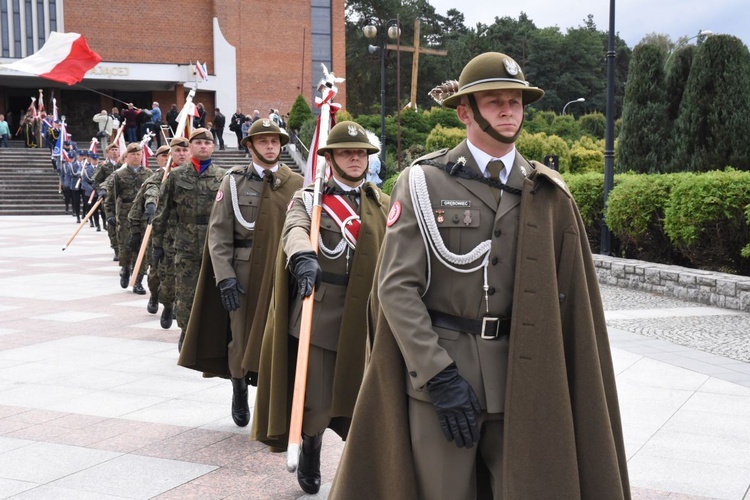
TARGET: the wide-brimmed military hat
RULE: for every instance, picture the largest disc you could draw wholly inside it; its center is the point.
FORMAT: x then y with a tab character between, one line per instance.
265	126
492	71
201	133
163	150
179	141
347	135
134	147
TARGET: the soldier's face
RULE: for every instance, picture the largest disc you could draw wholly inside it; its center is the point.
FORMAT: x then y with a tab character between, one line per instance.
134	158
201	149
161	160
180	155
113	154
269	147
352	161
503	109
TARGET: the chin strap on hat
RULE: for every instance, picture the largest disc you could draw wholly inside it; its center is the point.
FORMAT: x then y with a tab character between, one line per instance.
487	128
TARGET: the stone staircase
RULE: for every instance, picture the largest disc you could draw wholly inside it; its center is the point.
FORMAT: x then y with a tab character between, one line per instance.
30	186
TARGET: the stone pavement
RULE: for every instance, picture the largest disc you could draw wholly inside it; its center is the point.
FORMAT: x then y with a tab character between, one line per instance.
93	405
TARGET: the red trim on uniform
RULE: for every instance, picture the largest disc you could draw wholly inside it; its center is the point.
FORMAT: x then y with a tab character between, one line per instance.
219	195
394	214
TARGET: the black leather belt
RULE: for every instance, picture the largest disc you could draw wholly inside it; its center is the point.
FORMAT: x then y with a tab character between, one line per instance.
243	243
199	219
335	279
125	200
488	328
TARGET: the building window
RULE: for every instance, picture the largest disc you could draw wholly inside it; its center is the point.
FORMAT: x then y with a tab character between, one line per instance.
52	15
41	30
4	27
16	28
29	28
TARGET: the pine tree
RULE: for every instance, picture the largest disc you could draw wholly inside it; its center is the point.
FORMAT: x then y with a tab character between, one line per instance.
644	127
299	114
713	126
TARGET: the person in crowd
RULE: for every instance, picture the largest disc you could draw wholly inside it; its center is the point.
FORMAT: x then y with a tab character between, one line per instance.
130	115
352	226
236	279
235	125
218	129
4	132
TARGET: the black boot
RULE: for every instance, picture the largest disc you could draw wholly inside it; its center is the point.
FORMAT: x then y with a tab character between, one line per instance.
181	341
153	304
308	470
91	223
78	219
124	277
240	408
117	256
138	286
166	318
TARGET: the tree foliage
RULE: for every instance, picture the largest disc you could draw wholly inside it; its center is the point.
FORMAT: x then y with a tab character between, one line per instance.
299	114
713	126
644	127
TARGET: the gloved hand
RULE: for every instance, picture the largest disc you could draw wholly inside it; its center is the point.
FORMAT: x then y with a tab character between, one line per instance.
135	242
230	290
150	211
456	405
111	221
158	255
306	270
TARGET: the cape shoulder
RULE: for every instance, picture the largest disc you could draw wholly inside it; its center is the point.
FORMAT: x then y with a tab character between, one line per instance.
551	175
434	156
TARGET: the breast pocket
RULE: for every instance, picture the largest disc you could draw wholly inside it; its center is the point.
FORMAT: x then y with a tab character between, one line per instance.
453	224
249	207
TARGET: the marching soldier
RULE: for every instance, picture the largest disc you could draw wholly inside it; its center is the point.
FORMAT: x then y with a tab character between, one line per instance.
124	185
87	184
351	231
490	343
188	193
103	171
237	271
180	150
138	218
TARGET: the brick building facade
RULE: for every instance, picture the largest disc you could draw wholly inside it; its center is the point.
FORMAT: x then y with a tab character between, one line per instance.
259	54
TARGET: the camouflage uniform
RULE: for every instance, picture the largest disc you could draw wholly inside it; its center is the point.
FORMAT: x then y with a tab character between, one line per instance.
165	269
137	221
103	171
125	183
190	196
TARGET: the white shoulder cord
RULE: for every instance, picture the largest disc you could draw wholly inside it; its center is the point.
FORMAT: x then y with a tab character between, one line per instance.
236	206
340	248
431	234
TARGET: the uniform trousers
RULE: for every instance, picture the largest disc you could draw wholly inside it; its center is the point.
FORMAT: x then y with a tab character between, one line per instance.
76	195
319	392
87	206
154	282
166	273
237	323
186	271
127	258
445	471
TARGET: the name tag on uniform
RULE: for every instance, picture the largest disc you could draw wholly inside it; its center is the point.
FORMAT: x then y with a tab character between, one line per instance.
455	203
251	193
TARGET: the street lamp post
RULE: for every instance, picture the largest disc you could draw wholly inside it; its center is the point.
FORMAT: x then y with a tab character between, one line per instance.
605	242
580	99
685	41
393	31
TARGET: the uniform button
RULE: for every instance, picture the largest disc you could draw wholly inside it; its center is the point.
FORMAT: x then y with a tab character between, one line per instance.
413	374
498	232
494	261
491	290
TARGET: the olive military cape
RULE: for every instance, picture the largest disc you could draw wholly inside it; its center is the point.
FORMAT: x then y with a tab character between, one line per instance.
563	436
276	377
208	334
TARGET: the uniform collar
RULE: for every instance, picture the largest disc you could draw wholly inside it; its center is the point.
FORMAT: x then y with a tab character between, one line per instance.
262	171
482	159
346	188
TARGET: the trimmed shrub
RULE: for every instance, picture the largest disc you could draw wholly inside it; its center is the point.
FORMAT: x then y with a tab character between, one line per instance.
299	114
537	146
388	184
593	124
705	219
586	155
441	137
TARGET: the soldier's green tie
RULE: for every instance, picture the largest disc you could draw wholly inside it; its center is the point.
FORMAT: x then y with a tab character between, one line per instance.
494	168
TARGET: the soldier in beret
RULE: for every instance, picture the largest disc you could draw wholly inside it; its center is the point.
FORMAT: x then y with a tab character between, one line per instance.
180	151
102	173
234	288
124	185
138	218
491	374
351	231
187	194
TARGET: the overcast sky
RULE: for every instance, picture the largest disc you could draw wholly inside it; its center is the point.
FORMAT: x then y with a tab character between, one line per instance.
633	18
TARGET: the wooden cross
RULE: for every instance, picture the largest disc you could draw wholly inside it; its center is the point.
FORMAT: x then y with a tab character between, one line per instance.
415	62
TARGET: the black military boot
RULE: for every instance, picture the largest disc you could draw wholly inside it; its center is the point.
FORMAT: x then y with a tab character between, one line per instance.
124	277
308	470
181	341
138	285
78	219
240	408
166	318
117	256
153	303
91	222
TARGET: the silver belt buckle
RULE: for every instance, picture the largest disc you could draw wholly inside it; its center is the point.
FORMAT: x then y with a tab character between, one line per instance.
491	323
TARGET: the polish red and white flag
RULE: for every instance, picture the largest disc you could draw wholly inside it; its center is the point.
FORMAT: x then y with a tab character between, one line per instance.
64	58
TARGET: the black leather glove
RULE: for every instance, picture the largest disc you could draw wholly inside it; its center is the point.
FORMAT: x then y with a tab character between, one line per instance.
456	405
135	242
306	270
230	290
111	221
150	211
158	255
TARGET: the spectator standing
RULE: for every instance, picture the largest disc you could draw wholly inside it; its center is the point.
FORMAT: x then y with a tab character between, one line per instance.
4	132
245	128
235	125
219	122
106	125
200	120
156	120
130	115
172	115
